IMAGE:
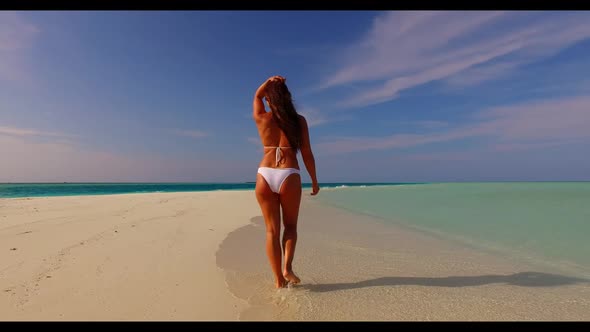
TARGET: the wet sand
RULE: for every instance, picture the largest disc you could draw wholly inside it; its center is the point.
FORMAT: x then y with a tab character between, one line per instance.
355	268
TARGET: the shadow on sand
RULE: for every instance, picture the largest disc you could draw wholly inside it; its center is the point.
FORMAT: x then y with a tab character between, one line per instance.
524	279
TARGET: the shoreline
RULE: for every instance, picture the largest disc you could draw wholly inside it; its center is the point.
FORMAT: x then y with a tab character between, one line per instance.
461	241
203	187
355	268
187	256
249	187
123	194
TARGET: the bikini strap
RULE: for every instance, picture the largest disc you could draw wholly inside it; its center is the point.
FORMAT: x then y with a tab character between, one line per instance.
278	153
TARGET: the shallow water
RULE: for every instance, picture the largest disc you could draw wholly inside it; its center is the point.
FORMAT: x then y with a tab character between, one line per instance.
356	267
542	222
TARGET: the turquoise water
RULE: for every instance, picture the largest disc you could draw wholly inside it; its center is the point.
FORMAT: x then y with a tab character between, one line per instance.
545	221
541	222
14	190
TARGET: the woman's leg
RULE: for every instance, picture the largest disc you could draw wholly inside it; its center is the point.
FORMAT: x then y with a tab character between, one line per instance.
270	206
290	199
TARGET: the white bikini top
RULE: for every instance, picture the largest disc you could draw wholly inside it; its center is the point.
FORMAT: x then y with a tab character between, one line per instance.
279	153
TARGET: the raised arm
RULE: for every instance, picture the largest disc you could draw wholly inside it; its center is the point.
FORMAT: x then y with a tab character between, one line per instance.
258	105
307	154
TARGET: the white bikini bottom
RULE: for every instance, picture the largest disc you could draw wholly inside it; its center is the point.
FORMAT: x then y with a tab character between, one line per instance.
276	176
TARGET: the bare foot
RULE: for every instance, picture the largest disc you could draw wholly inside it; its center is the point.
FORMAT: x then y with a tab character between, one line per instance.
291	277
281	283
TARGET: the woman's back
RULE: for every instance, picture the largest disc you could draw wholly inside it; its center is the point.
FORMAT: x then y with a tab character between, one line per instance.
273	138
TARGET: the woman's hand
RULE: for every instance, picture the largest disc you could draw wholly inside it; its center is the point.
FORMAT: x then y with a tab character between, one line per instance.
261	92
276	78
315	189
258	105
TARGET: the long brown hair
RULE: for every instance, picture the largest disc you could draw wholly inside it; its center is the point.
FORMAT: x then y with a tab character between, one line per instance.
284	112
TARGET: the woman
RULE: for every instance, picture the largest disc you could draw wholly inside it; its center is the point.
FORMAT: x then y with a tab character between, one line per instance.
283	132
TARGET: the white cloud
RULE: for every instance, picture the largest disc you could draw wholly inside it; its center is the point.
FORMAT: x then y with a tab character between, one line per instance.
476	75
253	140
15	32
313	116
406	49
16	37
190	133
26	132
442	156
509	147
544	122
564	118
426	124
24	160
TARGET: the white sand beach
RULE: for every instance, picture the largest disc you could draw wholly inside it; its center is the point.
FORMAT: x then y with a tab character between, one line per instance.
118	257
200	257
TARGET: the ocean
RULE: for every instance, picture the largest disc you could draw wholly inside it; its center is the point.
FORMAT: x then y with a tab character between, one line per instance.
16	190
539	222
543	222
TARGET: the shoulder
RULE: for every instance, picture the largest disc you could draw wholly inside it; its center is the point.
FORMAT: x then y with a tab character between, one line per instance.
302	120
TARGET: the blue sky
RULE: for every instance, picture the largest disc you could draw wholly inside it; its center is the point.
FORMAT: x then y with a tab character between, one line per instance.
390	96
